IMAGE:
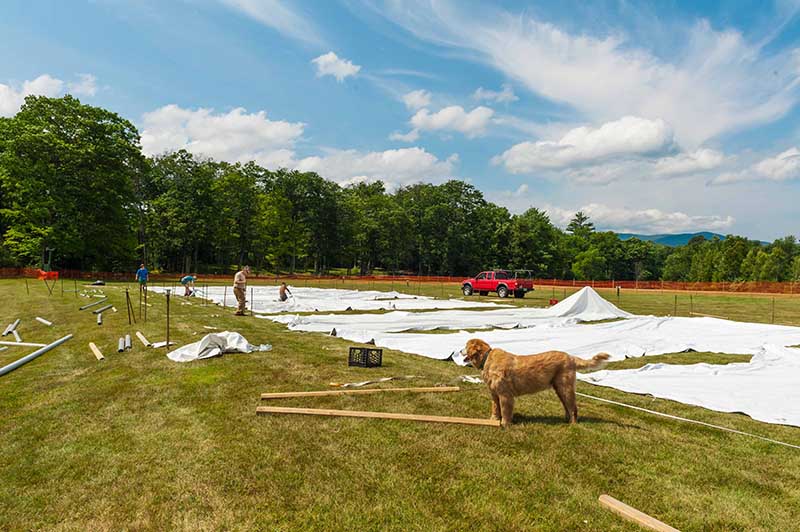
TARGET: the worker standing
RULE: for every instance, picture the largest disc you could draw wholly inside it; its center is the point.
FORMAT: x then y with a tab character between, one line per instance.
240	289
142	276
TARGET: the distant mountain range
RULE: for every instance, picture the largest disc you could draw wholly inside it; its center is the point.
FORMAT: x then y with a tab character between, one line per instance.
671	240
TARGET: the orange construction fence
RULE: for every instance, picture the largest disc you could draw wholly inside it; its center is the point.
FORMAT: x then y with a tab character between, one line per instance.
765	287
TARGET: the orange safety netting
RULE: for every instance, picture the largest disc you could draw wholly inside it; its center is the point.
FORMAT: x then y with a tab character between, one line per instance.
46	276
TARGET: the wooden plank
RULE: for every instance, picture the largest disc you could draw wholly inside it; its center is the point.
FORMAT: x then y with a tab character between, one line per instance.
283	395
142	339
376	415
23	344
96	351
708	315
632	514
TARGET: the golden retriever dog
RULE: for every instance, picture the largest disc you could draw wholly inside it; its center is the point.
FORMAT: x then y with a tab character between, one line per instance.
508	376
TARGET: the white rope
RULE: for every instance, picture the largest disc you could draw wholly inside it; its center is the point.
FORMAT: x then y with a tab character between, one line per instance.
678	418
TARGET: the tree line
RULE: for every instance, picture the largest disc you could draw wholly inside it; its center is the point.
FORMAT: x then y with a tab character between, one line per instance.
75	185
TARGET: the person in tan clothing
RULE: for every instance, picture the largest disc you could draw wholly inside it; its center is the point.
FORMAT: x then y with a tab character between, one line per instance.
240	289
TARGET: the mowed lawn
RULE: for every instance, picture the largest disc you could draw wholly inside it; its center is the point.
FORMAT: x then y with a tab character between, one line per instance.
139	442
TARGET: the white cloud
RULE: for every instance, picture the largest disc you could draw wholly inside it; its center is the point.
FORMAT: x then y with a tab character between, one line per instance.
11	97
715	83
415	100
782	167
700	160
235	136
647	221
85	86
331	65
280	17
394	167
453	118
506	95
411	136
626	137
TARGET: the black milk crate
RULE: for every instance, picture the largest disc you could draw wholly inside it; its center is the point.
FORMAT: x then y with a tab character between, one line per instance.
365	357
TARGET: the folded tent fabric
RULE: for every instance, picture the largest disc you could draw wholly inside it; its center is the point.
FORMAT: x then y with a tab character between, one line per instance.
215	344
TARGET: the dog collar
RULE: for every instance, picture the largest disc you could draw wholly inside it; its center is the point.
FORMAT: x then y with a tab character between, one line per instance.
485	358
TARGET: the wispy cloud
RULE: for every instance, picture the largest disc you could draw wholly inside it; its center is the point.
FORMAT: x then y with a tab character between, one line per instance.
717	83
282	17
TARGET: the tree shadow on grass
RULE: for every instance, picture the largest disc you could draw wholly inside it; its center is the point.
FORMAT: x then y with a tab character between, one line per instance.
523	419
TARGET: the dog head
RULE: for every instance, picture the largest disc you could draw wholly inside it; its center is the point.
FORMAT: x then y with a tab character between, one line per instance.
476	352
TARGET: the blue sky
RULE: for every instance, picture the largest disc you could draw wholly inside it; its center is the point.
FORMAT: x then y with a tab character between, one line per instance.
652	117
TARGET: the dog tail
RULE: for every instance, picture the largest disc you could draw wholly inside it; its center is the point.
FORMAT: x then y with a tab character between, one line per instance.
597	361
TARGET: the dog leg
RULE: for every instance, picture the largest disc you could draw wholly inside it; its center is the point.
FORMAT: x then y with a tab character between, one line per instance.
558	387
495	407
507	410
572	402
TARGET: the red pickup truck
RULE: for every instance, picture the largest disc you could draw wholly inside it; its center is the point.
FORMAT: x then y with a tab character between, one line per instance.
503	282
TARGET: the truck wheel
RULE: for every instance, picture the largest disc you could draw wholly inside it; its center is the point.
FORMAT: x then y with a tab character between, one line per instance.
467	290
519	294
502	291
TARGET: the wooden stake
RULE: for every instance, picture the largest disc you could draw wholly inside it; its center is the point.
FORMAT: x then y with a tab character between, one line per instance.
376	415
96	351
632	514
282	395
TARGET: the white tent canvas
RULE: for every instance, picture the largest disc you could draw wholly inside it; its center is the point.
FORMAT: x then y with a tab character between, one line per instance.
584	305
767	388
215	344
307	299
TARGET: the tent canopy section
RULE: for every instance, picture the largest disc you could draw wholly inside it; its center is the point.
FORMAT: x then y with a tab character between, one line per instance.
584	305
766	388
215	344
265	300
634	337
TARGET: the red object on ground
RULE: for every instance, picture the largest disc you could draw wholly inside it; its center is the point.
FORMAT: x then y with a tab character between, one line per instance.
46	276
553	302
500	281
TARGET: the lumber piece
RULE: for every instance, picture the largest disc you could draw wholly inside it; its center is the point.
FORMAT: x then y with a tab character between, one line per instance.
708	315
376	415
96	351
142	339
632	514
23	344
44	321
433	389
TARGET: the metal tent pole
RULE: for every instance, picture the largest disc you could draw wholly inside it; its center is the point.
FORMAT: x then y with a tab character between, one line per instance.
24	360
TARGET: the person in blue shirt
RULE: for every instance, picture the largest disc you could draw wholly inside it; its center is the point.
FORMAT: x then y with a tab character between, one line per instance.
188	283
142	276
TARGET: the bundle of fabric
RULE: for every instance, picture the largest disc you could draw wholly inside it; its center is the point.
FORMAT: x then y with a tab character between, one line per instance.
215	344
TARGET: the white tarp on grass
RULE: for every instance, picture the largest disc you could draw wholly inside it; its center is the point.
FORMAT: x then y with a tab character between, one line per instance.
767	388
215	344
307	299
634	337
584	305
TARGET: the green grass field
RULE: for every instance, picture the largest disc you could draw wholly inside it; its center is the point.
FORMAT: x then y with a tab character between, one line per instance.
139	442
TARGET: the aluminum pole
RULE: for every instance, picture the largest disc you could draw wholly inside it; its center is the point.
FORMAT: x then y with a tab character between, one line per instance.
24	360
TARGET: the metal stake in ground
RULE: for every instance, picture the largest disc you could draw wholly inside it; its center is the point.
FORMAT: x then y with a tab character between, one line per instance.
27	291
128	305
167	346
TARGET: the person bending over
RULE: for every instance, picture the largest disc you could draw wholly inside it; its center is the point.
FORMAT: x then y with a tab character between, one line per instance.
188	284
283	291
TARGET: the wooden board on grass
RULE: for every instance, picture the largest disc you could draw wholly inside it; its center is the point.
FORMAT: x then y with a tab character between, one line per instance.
377	415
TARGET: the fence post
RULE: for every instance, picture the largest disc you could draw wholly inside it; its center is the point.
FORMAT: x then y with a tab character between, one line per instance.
167	320
773	309
675	311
